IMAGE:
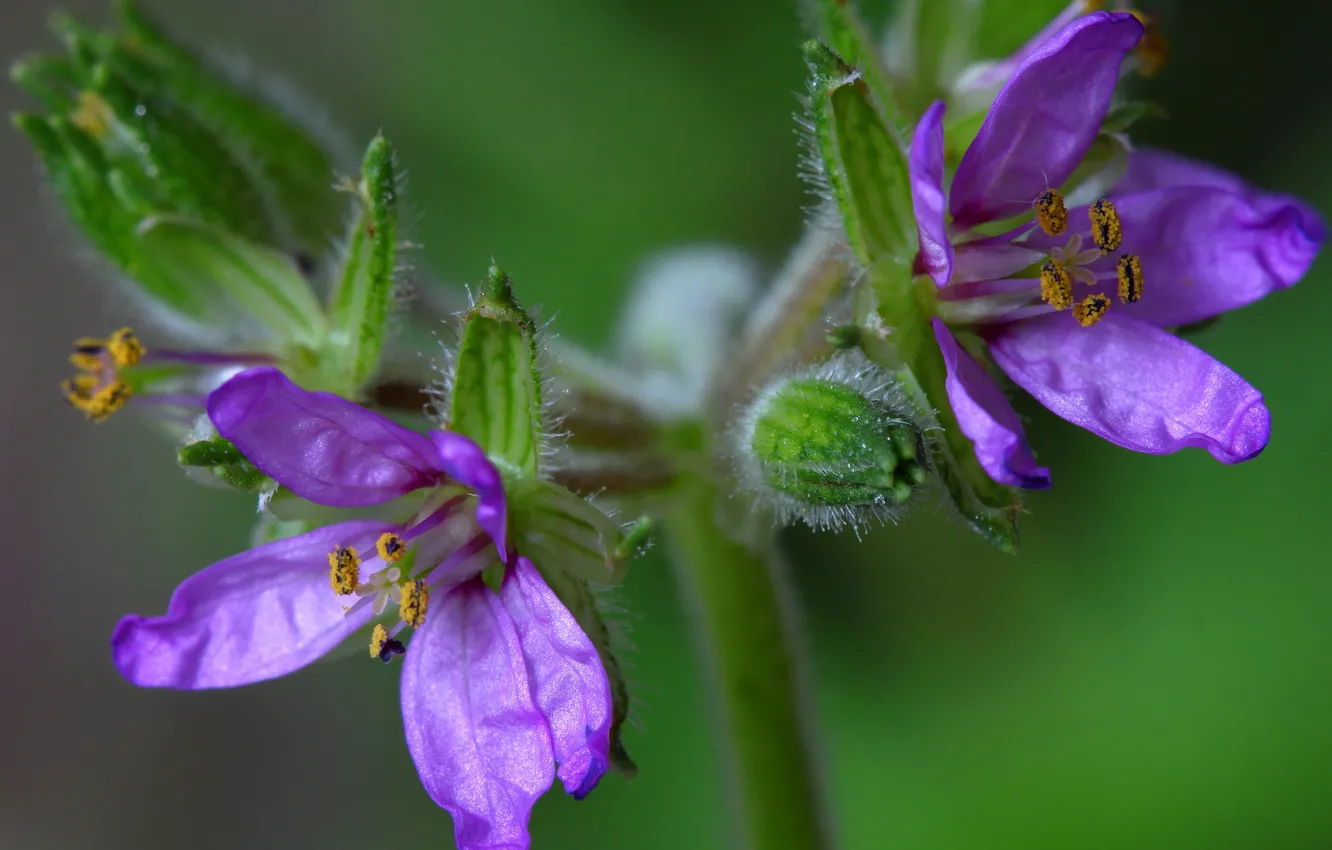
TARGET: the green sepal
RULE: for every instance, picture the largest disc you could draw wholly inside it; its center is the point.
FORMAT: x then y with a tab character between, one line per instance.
1005	25
564	531
867	170
225	462
578	597
496	399
989	508
263	282
840	25
930	41
360	302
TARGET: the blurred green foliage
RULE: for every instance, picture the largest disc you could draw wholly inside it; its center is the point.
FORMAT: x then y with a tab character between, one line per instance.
1152	672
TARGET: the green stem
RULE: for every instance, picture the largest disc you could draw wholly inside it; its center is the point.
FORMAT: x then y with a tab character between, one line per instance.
743	615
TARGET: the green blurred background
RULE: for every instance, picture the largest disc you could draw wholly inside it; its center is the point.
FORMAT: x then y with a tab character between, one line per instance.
1152	672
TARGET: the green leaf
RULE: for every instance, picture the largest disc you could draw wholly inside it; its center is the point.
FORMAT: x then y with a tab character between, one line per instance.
496	386
261	281
359	308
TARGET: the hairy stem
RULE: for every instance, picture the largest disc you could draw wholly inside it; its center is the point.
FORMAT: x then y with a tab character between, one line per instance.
744	620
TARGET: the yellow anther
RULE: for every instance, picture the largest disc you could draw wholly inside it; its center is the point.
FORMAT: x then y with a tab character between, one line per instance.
1056	285
1130	278
95	399
124	348
344	570
379	638
390	547
1092	308
413	602
1105	228
93	114
1051	213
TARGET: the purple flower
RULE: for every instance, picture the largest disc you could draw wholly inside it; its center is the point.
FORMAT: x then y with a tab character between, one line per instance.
1174	243
498	686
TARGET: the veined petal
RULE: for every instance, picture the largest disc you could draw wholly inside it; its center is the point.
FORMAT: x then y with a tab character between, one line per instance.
986	417
1135	385
318	445
1208	250
254	616
925	163
567	680
480	744
465	462
1044	119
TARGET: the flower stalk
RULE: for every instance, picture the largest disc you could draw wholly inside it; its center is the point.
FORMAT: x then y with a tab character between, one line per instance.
747	633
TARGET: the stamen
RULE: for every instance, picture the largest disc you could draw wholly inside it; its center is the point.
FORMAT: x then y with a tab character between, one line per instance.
384	647
413	602
95	399
344	570
124	348
390	547
1130	278
1106	230
1056	286
1051	213
1092	308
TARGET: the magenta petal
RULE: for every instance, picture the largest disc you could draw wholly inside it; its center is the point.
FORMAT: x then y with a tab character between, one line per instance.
1156	169
567	679
925	162
986	417
480	744
1135	385
1044	119
254	616
319	445
1206	250
465	462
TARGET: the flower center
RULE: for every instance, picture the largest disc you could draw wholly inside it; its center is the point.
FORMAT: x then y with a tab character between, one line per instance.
443	545
1070	263
97	390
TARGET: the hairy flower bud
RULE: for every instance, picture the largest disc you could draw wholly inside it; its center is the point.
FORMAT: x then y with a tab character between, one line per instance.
834	445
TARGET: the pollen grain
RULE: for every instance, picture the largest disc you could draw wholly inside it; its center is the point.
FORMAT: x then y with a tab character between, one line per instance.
413	602
344	570
1092	308
1106	230
1056	285
390	547
1130	278
1051	213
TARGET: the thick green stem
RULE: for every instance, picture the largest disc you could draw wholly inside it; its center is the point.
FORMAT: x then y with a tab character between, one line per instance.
743	615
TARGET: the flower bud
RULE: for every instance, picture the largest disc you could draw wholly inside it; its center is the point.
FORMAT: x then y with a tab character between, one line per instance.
834	445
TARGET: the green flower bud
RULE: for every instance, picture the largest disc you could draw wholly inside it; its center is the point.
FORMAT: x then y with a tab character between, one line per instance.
495	397
834	445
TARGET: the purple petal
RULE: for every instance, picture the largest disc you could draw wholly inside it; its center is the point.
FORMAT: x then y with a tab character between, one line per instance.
567	679
1044	120
1135	385
254	616
925	162
992	258
988	420
466	463
1206	251
480	744
319	445
1156	169
995	73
